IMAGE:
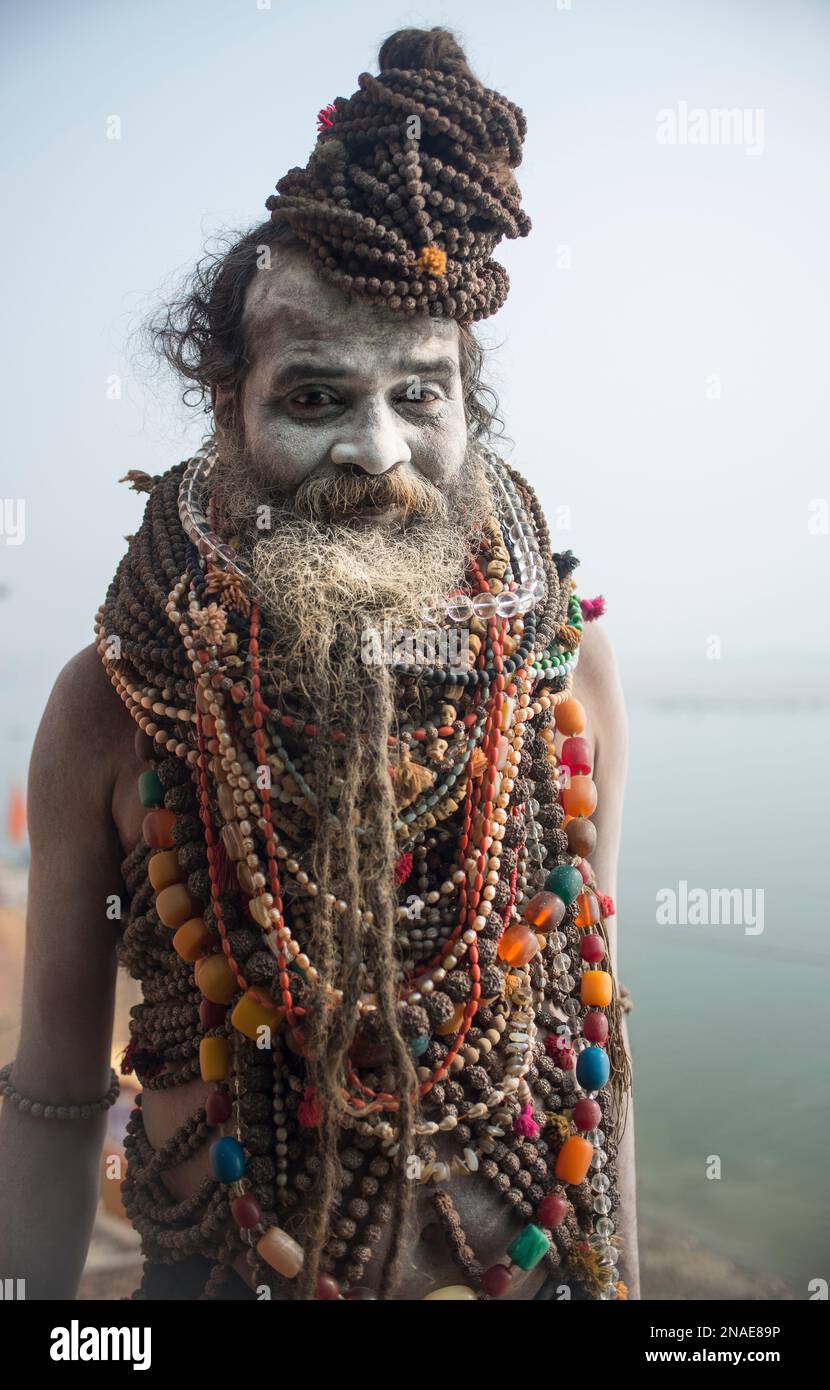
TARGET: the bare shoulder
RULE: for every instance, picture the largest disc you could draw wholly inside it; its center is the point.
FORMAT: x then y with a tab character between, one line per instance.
598	687
83	727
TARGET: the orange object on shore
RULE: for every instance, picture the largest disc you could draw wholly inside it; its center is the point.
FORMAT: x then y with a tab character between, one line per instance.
16	817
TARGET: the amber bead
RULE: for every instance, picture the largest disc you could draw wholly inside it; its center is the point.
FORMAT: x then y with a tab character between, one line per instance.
215	979
175	906
545	911
569	717
587	910
192	939
579	798
214	1059
574	1160
279	1250
253	1011
163	869
518	945
596	988
157	829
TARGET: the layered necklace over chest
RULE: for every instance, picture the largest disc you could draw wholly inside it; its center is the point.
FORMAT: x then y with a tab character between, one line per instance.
500	978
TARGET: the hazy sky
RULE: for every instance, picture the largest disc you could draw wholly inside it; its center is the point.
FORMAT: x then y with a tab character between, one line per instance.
662	359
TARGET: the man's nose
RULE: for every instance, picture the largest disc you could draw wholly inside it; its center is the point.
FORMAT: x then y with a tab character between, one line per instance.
374	444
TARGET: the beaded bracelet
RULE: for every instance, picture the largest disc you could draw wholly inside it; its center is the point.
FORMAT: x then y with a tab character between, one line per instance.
41	1110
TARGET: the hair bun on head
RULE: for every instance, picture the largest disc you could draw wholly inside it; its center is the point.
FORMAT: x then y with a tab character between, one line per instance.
410	186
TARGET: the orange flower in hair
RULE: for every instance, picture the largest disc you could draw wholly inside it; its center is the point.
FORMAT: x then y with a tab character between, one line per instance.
433	260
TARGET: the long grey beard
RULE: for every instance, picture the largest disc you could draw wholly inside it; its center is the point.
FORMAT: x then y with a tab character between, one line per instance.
322	583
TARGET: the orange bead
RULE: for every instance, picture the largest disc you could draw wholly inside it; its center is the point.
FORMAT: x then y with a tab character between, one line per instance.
192	940
213	1059
518	944
174	905
215	979
453	1024
579	798
596	988
157	829
164	868
569	717
587	909
252	1013
574	1160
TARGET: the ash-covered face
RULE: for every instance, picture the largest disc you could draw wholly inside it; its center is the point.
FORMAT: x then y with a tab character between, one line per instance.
339	386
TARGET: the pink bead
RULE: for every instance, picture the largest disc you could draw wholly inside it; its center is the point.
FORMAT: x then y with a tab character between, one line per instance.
576	755
496	1280
246	1211
586	1115
552	1211
211	1015
585	869
592	947
595	1027
326	1287
218	1108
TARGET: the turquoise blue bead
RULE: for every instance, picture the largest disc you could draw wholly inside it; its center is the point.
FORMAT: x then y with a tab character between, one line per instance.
592	1068
528	1247
564	880
227	1159
150	790
418	1046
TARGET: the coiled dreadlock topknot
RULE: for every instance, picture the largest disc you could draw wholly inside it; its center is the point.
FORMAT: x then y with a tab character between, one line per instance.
409	187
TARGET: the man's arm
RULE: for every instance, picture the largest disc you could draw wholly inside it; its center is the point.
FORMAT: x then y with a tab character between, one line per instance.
50	1168
597	687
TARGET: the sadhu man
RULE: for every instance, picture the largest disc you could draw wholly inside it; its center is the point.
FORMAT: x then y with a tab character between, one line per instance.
349	753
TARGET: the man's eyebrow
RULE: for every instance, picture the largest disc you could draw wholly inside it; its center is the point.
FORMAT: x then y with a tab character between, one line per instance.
302	369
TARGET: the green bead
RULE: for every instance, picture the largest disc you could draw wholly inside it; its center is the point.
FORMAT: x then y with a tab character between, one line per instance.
150	790
528	1247
565	881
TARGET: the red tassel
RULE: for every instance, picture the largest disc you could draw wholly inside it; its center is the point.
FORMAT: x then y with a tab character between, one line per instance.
403	868
592	608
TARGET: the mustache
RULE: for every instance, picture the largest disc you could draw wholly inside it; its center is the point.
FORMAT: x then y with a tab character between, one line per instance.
337	489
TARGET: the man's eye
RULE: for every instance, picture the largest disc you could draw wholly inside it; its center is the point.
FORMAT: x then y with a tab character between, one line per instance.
313	398
422	395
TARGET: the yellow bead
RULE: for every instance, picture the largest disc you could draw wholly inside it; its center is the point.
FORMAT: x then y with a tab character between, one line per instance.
250	1014
213	1059
215	979
163	869
192	940
174	905
279	1250
456	1292
596	988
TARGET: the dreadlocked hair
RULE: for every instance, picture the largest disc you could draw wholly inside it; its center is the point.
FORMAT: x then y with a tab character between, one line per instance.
409	187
